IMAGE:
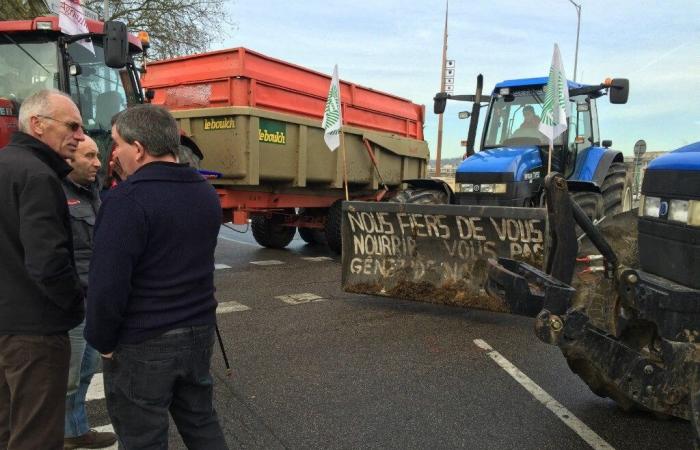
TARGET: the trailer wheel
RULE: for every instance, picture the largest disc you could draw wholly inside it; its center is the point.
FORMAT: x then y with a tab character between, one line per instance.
421	196
613	188
307	234
269	231
334	226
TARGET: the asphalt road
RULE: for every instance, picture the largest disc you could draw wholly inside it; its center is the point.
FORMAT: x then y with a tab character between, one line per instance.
316	367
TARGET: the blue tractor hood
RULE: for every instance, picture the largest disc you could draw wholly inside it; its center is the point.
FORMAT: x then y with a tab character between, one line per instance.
684	158
517	161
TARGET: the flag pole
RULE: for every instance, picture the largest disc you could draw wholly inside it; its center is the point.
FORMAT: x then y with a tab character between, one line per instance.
345	164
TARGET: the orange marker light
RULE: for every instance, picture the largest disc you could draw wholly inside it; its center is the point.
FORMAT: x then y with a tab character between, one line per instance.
608	82
145	39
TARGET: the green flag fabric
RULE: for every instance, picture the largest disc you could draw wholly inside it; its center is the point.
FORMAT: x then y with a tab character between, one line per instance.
555	109
332	116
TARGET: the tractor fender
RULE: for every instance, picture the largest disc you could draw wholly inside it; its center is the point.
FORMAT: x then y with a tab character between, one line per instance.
593	163
432	183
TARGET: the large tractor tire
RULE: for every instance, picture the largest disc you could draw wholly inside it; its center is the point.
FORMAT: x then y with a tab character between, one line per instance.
333	230
610	201
270	231
613	188
421	196
307	234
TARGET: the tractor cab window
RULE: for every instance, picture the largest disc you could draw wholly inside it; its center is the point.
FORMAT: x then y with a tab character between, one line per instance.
28	65
514	120
98	90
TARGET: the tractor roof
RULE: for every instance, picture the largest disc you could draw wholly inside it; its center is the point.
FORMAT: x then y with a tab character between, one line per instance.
531	82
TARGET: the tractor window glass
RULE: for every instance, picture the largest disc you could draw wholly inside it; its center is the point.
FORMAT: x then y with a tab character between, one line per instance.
97	89
515	120
27	67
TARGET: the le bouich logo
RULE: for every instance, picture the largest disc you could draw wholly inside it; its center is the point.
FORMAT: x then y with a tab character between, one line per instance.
219	123
272	131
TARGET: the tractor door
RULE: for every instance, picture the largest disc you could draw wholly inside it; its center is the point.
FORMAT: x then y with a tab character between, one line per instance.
580	132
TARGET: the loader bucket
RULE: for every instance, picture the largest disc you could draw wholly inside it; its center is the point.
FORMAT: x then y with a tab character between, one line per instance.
438	253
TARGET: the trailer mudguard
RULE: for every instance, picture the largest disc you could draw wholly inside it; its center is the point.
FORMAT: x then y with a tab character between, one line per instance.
592	164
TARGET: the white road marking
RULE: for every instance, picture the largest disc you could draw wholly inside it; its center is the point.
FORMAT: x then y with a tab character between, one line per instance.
297	299
96	388
232	306
237	241
317	258
269	262
547	400
221	266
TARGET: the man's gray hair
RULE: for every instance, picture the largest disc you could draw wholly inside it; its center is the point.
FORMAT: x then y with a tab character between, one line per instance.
153	126
37	104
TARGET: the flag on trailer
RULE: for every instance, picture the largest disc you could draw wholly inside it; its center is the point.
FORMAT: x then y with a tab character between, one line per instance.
71	19
332	116
555	109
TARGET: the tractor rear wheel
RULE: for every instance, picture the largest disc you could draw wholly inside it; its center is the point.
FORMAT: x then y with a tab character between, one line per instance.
271	232
612	189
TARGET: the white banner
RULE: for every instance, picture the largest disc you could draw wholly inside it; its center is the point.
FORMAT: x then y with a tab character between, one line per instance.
555	109
71	19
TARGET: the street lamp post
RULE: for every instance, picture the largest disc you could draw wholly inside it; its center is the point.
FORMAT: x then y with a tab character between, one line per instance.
578	29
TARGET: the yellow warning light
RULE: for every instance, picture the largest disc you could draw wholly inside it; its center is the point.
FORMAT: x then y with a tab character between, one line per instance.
145	39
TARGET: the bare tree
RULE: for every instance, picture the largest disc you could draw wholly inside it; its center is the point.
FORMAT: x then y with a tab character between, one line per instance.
176	27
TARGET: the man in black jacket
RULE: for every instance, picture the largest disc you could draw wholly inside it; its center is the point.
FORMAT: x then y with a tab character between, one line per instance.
151	309
40	295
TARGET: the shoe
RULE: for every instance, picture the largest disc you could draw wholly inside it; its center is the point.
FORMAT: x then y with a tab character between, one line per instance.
91	439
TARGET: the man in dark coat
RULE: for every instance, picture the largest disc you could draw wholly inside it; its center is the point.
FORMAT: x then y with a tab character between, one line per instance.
151	310
40	295
82	195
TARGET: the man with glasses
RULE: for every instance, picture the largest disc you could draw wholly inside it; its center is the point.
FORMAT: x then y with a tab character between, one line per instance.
40	295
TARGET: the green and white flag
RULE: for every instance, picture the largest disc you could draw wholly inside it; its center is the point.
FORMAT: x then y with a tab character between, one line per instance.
555	109
332	116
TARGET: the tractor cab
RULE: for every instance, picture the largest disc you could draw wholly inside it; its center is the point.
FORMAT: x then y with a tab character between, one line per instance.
514	156
35	55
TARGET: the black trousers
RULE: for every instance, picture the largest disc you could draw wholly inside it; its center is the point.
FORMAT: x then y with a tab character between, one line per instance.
33	383
167	374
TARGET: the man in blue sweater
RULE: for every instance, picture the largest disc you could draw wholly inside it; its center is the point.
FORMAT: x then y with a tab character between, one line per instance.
151	306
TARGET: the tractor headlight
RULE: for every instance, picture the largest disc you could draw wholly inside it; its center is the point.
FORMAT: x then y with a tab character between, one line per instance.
694	213
678	211
493	188
486	188
651	206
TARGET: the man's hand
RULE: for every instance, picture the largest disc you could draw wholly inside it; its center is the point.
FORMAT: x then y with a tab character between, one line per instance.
107	355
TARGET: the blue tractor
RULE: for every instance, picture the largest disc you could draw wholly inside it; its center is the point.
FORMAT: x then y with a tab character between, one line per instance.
513	161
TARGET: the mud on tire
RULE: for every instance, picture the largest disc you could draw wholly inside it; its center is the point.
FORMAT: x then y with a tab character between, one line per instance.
613	188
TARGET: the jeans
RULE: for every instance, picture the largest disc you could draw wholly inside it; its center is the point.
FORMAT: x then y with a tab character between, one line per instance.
84	361
167	374
33	378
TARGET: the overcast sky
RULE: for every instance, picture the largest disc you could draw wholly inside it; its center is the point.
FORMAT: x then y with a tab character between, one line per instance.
396	46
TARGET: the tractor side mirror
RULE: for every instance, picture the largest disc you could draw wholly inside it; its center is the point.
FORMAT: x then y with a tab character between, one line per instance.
619	91
440	102
607	143
116	44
